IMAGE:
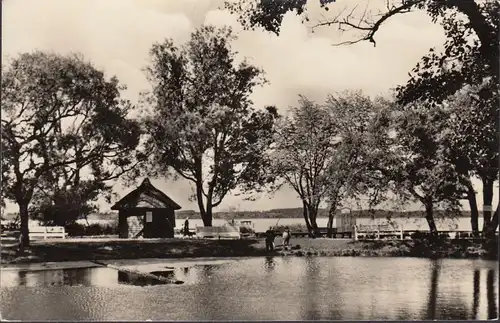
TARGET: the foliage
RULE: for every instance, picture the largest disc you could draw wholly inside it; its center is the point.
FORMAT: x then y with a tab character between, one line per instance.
467	59
61	120
202	124
80	230
481	18
421	170
328	152
472	137
467	71
64	206
304	144
362	126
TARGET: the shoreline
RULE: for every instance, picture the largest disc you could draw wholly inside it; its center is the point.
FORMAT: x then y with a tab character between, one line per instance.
53	252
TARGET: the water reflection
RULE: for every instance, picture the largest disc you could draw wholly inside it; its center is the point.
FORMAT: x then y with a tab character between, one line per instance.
64	277
267	288
269	263
475	303
490	292
310	287
431	304
137	280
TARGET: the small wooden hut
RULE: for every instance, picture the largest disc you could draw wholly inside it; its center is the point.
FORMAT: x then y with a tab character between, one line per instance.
146	212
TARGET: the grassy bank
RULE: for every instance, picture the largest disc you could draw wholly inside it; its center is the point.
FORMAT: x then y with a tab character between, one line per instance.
111	249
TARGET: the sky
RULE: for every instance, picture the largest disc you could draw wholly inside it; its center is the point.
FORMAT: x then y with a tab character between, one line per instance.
116	36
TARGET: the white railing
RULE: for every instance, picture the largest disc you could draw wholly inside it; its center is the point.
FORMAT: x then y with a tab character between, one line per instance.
47	232
377	231
218	232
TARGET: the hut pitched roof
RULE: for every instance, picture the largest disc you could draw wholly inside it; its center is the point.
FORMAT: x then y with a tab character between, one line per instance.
147	196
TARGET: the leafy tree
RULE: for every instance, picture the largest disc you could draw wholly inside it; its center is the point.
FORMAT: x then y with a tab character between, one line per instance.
460	66
479	18
327	153
472	143
62	206
360	124
303	148
60	115
421	170
202	124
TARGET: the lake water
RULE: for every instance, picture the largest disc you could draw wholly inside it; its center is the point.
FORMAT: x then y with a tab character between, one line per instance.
265	288
261	225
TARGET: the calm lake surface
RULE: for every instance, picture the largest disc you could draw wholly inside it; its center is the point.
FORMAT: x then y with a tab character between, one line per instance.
266	288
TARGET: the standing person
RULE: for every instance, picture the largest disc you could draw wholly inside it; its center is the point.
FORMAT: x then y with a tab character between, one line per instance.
286	238
186	227
270	239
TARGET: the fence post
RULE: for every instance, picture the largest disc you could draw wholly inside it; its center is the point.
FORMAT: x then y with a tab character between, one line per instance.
355	233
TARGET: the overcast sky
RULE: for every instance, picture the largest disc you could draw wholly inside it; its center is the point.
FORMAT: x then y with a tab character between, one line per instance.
116	36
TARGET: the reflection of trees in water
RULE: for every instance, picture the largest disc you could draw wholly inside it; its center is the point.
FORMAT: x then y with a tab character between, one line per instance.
74	277
311	290
475	303
22	278
59	277
206	271
450	307
432	301
137	280
490	292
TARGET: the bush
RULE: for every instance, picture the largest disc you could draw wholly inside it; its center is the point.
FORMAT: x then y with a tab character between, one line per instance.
79	230
292	227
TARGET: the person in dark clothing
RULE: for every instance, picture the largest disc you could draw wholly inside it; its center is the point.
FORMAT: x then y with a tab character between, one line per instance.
270	239
186	227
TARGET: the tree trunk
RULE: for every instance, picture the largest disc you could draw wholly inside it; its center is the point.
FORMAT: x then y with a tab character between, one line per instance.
207	221
306	217
331	216
487	199
206	215
429	216
474	213
313	213
25	233
490	231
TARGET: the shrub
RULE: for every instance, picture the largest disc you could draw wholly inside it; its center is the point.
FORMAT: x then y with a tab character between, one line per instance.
292	227
96	229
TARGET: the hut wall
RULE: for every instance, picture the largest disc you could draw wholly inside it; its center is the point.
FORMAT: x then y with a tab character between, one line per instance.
122	224
162	225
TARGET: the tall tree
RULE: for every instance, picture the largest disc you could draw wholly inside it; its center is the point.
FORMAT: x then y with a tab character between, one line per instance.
421	170
439	75
472	142
360	125
202	124
303	149
60	115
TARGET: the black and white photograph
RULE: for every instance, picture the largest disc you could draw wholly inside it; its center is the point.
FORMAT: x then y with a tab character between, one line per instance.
249	160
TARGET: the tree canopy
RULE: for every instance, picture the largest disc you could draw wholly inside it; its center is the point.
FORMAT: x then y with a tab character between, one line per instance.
62	121
200	119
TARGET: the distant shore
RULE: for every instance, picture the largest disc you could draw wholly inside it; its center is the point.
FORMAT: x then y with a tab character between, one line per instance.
114	249
292	213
